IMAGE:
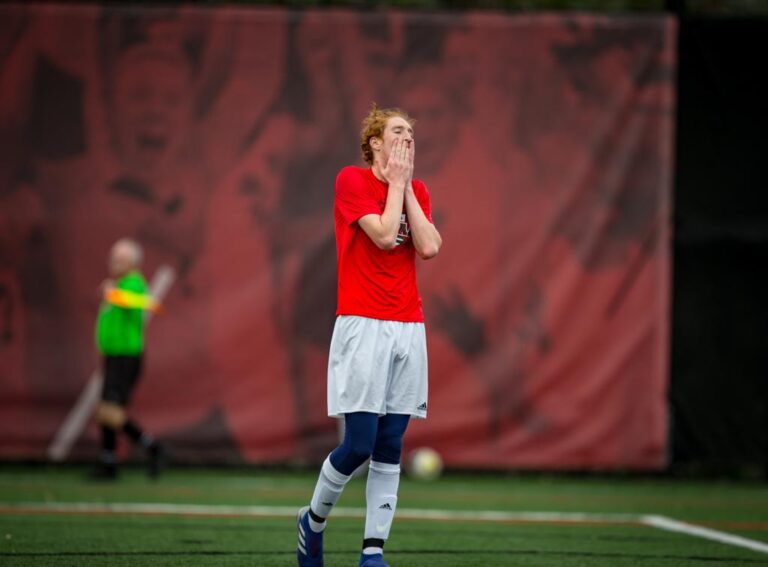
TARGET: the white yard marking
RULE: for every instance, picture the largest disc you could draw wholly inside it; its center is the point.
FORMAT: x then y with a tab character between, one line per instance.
671	525
290	512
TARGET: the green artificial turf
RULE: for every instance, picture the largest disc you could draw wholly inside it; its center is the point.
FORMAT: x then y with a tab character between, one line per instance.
31	534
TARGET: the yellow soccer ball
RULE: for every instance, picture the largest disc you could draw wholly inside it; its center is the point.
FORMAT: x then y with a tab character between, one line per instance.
424	464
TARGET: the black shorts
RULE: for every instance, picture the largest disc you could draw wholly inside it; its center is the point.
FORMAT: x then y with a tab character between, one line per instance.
120	376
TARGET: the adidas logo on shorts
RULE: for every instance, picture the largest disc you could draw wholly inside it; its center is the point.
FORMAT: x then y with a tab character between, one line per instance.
422	407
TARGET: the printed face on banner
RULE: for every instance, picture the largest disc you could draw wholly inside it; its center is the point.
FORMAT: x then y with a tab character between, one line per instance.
430	103
151	107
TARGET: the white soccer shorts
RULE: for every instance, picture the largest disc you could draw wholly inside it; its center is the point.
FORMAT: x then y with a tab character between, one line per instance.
377	366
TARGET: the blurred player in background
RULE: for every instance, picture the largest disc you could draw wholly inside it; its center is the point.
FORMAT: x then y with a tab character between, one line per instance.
377	368
120	340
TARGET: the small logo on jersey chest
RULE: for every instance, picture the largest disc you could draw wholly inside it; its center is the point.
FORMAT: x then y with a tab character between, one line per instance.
404	232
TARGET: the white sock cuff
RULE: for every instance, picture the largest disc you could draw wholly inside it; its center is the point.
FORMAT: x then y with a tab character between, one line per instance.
384	468
333	475
373	551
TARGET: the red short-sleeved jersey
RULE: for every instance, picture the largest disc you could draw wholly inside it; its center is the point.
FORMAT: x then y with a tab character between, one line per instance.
375	283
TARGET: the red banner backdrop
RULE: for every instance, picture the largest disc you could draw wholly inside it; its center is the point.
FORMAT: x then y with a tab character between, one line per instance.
214	138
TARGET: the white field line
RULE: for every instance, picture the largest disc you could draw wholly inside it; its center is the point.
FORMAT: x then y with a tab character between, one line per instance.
671	525
290	512
659	522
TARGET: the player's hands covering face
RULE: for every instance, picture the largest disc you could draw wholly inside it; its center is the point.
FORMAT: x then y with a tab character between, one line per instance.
399	167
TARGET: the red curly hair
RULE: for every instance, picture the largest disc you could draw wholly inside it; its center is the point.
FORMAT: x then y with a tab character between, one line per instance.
373	127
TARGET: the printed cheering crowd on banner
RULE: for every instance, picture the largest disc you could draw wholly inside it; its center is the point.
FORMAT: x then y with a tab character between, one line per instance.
214	142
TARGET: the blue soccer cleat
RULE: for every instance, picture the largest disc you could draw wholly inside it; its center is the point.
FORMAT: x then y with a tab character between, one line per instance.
310	548
373	560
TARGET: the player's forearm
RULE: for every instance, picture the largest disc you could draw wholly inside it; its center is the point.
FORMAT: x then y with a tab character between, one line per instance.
386	235
426	240
426	237
130	300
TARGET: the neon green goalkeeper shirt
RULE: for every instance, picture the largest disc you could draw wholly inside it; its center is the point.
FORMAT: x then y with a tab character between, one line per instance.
120	330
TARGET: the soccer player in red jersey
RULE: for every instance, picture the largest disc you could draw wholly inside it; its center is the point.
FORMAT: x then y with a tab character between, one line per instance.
377	367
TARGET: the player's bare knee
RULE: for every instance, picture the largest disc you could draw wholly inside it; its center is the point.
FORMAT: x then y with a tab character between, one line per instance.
111	415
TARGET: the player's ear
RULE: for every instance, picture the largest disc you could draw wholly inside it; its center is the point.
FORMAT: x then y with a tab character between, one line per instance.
375	142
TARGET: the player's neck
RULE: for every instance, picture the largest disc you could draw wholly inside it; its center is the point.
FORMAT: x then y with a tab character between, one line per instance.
376	170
